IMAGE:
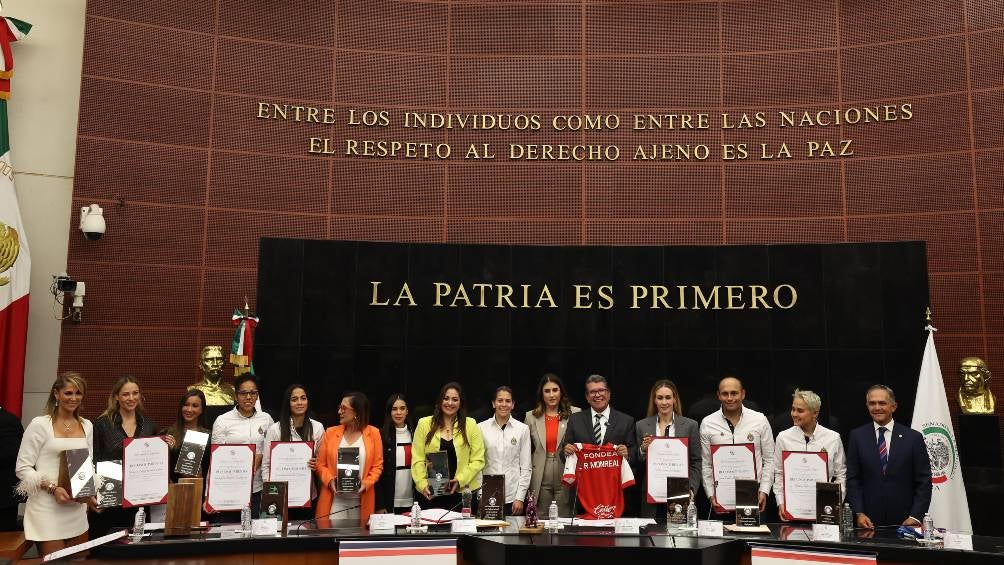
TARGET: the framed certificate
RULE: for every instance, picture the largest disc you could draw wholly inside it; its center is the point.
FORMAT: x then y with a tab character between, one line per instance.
666	457
800	471
231	472
288	462
144	471
731	461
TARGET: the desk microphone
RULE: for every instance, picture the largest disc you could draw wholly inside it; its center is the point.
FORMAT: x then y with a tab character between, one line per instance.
457	505
314	520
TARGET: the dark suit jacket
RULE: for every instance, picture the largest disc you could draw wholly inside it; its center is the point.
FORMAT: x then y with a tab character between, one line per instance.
620	430
11	432
386	483
685	427
904	491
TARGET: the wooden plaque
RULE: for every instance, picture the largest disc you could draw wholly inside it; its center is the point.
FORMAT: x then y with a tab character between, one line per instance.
179	509
275	502
196	498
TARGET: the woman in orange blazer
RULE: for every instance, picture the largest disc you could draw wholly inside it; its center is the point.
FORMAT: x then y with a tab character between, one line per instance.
353	431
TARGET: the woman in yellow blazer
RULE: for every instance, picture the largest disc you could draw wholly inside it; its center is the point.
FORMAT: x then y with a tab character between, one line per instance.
450	430
353	431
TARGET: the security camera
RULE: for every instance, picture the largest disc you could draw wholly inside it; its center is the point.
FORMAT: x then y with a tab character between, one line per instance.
92	222
78	302
61	282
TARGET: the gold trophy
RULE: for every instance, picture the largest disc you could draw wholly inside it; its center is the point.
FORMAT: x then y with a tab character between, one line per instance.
974	396
218	393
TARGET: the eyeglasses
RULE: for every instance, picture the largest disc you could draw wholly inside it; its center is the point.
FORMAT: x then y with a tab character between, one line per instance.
247	393
598	392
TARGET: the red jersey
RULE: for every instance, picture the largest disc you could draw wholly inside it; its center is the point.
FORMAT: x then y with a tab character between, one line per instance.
600	475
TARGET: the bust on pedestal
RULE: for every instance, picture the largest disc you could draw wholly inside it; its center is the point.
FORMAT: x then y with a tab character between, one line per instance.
219	394
979	427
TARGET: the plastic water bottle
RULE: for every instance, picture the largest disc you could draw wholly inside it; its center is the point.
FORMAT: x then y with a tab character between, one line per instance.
552	515
416	515
928	526
692	515
139	524
246	519
847	519
465	503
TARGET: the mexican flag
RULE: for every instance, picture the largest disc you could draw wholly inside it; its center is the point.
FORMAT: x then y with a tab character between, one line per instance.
15	264
949	505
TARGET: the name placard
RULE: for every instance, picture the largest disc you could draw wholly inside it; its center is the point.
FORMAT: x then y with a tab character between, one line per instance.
711	528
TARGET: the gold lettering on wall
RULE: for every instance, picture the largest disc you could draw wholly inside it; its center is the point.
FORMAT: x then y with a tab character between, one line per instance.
587	296
579	127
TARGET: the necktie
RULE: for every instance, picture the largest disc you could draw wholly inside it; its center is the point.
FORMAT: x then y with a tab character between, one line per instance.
807	439
883	449
666	433
597	430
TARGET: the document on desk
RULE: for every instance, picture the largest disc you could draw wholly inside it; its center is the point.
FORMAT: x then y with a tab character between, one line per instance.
83	546
231	470
800	471
288	461
731	461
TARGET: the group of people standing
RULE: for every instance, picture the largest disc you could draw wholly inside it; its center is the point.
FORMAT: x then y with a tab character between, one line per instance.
885	472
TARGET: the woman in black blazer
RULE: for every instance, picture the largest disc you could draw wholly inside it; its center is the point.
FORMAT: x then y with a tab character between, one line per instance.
395	490
665	420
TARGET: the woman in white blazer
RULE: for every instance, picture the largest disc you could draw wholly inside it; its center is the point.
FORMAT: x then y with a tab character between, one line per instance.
52	518
548	422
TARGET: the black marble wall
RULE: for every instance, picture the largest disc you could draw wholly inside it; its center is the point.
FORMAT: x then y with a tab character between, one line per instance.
858	320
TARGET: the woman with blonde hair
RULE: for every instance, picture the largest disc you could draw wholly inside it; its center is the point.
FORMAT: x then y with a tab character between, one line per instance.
52	518
123	418
665	419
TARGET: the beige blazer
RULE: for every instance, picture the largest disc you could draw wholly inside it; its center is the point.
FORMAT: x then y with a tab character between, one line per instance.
538	446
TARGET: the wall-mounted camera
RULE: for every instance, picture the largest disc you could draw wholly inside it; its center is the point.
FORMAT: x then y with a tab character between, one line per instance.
63	285
92	222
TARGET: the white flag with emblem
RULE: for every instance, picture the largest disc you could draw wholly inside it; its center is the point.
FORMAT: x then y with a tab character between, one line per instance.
949	505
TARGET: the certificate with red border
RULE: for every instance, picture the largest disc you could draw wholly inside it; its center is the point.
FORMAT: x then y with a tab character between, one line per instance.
231	475
731	461
288	462
800	471
666	457
145	467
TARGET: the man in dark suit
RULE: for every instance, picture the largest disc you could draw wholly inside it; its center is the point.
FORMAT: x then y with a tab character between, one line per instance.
11	432
600	424
888	469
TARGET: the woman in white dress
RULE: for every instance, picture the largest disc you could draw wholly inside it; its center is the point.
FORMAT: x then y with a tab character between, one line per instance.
52	518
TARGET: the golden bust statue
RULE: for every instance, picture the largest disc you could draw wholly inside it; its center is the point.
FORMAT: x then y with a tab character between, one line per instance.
218	393
974	396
